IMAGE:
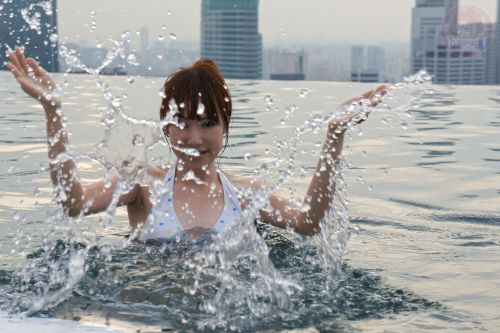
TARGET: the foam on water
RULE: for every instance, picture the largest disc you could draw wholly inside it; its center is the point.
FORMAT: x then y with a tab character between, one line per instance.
21	324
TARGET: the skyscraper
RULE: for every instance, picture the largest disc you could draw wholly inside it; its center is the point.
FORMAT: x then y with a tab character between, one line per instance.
230	36
33	25
288	65
367	64
493	55
453	63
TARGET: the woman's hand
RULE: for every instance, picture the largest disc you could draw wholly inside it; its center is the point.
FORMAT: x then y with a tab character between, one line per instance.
33	79
340	122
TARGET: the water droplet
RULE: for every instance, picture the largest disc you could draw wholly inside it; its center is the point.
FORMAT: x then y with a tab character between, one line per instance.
161	38
226	99
131	79
162	94
303	93
201	108
247	156
116	102
268	99
47	7
10	169
53	38
138	140
163	27
173	36
132	59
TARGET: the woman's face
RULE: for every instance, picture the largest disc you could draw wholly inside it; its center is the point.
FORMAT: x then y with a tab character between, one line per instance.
202	135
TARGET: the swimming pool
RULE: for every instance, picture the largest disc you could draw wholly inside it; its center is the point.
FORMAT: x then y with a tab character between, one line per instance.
424	201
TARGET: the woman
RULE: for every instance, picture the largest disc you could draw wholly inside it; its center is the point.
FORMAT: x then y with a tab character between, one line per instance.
199	198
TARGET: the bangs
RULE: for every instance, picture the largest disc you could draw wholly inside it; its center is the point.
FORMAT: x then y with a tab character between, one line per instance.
199	91
197	103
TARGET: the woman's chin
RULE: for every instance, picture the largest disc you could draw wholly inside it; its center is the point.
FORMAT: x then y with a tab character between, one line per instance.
196	162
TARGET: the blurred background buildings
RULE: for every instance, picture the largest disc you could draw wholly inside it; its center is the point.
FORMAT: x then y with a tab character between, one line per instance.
230	36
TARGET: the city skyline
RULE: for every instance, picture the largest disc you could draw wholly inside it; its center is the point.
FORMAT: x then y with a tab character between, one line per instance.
228	26
357	22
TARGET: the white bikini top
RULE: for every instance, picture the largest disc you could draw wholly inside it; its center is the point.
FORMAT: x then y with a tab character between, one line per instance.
162	223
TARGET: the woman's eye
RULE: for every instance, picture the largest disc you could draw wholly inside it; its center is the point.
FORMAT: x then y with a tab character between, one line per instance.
207	123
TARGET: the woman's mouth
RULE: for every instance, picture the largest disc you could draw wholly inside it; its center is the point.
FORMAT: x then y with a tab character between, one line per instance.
200	152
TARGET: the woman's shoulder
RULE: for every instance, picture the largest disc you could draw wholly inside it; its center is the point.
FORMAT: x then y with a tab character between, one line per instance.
157	172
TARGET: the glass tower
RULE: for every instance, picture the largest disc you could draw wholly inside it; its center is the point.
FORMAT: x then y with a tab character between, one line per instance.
448	63
230	36
33	25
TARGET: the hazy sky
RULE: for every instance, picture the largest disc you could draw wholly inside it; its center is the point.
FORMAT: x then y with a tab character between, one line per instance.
281	21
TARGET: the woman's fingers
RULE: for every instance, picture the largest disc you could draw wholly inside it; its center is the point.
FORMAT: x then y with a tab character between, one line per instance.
381	90
22	60
26	84
13	69
378	94
374	96
14	61
368	94
341	122
41	74
39	71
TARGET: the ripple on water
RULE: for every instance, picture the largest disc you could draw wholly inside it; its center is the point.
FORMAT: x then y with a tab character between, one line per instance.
145	286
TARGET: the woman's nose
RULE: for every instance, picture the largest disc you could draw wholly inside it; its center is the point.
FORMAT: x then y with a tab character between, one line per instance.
194	137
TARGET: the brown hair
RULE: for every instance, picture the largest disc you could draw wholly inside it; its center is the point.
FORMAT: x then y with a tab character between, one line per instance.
200	82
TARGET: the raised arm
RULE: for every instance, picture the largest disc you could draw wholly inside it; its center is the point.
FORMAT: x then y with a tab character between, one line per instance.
69	192
321	190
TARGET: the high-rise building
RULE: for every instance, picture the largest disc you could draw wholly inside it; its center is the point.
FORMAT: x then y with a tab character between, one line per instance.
367	64
230	36
33	25
435	21
288	65
493	54
144	35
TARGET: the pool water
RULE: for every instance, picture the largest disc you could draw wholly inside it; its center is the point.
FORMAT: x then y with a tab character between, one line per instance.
424	252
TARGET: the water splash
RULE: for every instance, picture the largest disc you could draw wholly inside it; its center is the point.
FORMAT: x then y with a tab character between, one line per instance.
237	261
33	20
242	246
